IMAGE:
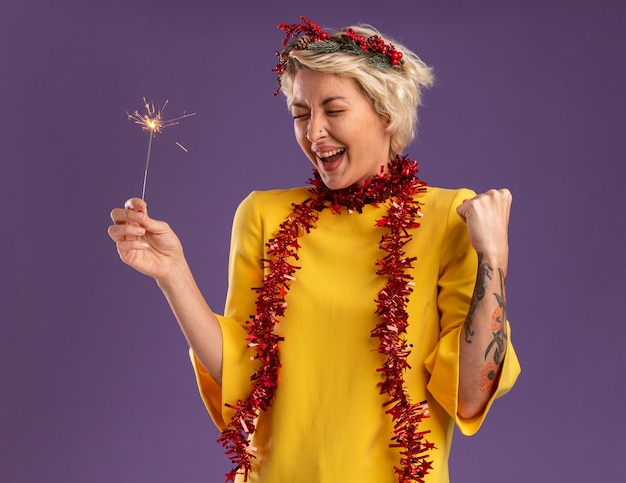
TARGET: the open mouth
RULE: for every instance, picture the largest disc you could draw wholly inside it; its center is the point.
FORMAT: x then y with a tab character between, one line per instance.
330	156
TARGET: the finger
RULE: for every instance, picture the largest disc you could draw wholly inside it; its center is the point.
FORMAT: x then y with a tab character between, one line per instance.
126	232
505	192
125	246
501	199
462	210
154	227
122	215
495	197
136	204
499	194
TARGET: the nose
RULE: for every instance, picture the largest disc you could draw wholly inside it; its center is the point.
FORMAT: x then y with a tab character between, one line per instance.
315	136
315	129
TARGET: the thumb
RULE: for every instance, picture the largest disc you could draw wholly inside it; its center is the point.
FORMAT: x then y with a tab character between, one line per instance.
463	210
137	204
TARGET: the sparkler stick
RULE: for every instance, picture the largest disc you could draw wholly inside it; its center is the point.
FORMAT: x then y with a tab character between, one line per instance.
153	122
145	173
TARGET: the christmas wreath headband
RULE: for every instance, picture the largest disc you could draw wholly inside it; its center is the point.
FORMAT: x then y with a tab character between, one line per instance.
381	54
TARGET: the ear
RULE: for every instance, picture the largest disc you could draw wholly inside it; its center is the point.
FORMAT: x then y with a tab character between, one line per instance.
386	120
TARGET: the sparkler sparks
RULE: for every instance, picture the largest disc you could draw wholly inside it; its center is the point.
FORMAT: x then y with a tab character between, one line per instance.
153	122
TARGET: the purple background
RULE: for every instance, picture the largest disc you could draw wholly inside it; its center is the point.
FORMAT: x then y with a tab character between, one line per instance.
95	384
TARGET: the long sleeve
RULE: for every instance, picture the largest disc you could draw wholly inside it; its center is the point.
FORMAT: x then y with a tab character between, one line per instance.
245	273
457	277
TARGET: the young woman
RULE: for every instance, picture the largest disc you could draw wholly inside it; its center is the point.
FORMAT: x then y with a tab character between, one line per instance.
366	313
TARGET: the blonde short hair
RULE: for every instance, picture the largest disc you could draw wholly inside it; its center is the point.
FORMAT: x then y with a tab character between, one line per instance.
395	92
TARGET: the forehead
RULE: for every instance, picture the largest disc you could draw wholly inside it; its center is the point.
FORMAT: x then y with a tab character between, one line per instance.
312	87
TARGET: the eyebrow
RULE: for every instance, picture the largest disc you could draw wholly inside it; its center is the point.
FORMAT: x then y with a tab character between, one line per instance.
326	101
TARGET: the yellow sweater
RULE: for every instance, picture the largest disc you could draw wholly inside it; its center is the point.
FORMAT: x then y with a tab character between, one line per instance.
326	423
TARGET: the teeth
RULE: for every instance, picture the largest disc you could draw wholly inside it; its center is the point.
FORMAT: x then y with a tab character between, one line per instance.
328	154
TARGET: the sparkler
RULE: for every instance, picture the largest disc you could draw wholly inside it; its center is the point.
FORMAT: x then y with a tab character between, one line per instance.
153	122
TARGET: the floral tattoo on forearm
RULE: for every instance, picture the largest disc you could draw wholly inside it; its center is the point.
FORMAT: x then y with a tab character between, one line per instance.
497	345
484	272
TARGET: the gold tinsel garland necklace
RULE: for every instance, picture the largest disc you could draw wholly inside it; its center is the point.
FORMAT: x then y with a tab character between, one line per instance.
397	188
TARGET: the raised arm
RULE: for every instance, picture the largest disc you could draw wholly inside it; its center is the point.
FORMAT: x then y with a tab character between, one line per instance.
484	338
152	248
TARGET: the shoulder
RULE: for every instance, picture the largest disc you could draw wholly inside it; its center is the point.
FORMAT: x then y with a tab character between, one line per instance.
440	219
274	199
270	206
439	209
441	200
280	196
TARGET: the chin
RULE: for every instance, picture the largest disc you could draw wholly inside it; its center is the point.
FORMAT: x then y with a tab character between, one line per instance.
335	184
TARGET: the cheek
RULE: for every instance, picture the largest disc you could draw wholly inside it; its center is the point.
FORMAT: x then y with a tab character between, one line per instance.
301	139
299	133
303	142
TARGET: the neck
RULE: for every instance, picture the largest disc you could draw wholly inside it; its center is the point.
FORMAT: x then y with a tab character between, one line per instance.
399	176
